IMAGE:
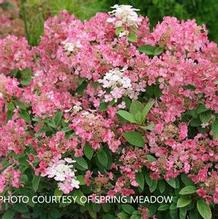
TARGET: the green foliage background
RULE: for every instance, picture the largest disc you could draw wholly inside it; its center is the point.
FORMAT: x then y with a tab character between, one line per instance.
34	12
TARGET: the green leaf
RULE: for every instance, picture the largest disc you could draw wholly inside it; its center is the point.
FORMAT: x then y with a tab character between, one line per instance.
136	107
148	107
214	128
81	180
132	37
128	208
201	108
149	127
204	209
183	201
140	180
153	186
182	213
78	194
58	117
150	50
26	76
148	180
88	151
188	190
58	192
102	157
172	183
21	208
173	213
82	86
135	216
134	138
150	158
122	215
25	115
81	162
186	180
35	183
126	115
205	117
147	49
9	214
139	118
163	207
103	107
161	186
158	51
119	30
108	216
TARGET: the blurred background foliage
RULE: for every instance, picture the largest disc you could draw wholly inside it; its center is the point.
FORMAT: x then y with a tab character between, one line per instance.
34	12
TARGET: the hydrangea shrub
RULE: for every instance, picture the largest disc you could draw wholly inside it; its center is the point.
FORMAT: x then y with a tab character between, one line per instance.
109	107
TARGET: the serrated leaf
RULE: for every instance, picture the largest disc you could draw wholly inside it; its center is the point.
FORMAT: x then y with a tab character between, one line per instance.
188	190
204	209
126	115
134	138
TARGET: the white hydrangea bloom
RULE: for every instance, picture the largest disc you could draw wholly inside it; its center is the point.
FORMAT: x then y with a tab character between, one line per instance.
71	46
118	83
75	183
124	14
64	173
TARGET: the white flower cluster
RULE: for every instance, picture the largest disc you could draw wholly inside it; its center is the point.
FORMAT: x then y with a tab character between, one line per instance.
63	172
124	14
119	84
71	47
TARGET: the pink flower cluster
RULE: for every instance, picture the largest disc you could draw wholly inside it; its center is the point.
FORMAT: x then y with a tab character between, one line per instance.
9	177
78	66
